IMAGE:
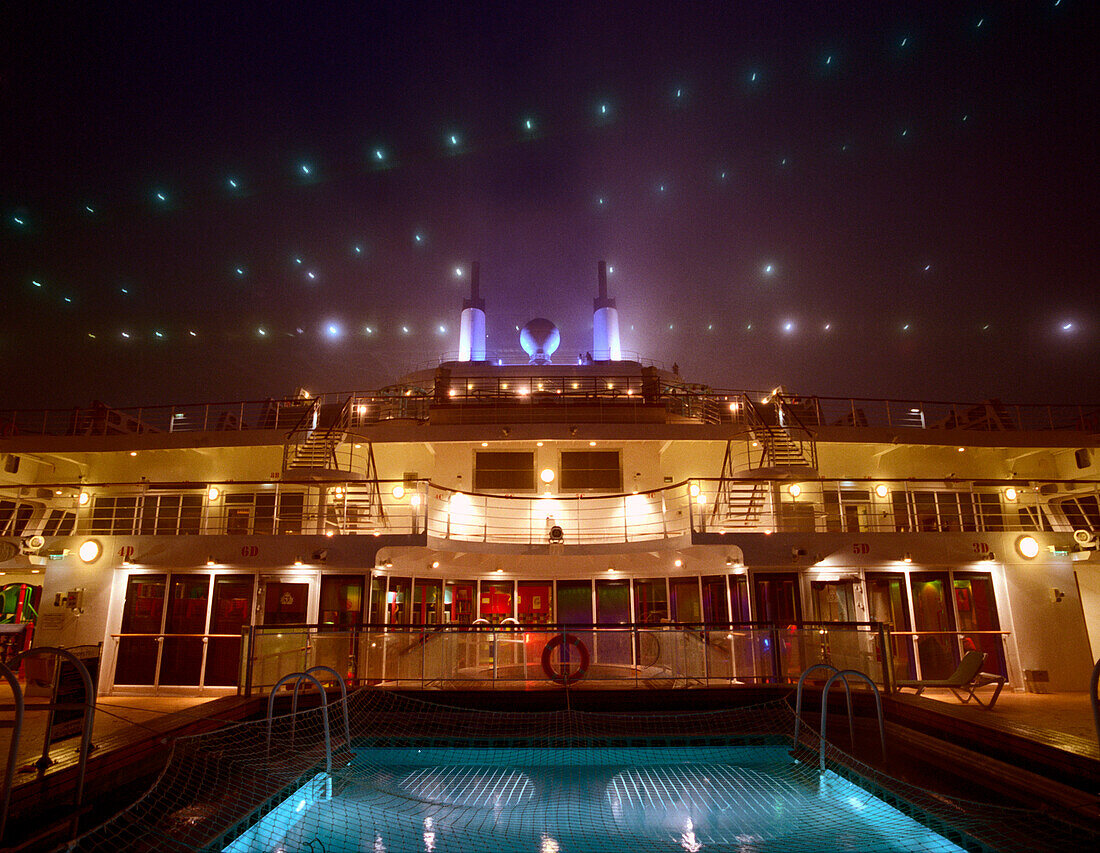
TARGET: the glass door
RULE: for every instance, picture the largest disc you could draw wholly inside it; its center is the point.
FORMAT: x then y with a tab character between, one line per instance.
977	611
184	626
341	602
778	602
933	616
613	613
887	602
458	602
230	612
142	619
427	602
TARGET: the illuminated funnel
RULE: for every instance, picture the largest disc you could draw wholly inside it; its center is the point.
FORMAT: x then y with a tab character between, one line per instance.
539	338
471	333
605	323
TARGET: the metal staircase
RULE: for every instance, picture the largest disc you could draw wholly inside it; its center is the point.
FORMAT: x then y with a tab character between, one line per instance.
311	445
783	440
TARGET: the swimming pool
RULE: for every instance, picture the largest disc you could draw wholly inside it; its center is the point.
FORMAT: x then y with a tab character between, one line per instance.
745	798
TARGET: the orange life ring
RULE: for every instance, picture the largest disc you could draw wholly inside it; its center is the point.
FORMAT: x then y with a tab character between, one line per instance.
561	677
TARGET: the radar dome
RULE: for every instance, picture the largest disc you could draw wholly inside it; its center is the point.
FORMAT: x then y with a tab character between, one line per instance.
539	338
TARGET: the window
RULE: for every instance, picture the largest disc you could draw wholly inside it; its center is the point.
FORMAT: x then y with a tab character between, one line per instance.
1033	518
989	506
255	513
591	470
59	523
171	515
847	509
114	515
1082	512
15	517
1081	457
504	471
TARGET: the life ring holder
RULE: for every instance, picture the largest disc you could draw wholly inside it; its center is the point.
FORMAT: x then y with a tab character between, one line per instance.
561	640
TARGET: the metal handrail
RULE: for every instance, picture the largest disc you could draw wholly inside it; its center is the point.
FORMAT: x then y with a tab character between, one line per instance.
89	716
843	674
13	743
343	696
1094	682
798	700
298	677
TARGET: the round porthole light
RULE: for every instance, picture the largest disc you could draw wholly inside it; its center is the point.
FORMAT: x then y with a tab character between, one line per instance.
695	490
399	492
83	498
213	493
89	551
1028	546
547	475
1010	494
794	489
882	490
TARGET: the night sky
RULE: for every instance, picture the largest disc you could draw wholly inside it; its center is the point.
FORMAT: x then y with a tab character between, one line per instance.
867	199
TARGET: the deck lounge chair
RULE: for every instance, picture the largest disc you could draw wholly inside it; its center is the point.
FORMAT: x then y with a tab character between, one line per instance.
964	681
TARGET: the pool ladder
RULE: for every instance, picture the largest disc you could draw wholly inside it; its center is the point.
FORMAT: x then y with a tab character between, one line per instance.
843	675
298	678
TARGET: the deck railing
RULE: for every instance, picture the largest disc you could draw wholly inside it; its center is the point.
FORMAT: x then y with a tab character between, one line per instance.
516	656
589	399
698	506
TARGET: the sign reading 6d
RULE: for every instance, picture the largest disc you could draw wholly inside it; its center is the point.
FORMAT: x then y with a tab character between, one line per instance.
249	550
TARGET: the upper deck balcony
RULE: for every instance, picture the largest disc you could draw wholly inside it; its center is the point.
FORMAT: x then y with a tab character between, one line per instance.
553	394
700	506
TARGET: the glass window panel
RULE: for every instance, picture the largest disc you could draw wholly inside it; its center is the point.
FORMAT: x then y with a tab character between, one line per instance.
397	601
947	503
574	602
142	613
458	602
715	603
427	602
341	601
291	511
535	602
187	600
684	593
504	471
990	506
495	600
591	470
264	521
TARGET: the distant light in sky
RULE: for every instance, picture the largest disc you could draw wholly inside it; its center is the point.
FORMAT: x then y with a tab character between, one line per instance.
368	330
232	184
905	328
89	208
442	330
1067	327
788	326
312	275
240	271
927	267
405	329
418	237
603	109
162	197
979	24
159	334
828	60
124	290
298	260
332	330
752	77
68	299
192	334
458	271
379	155
306	169
453	139
36	283
905	41
528	124
261	332
769	269
125	334
828	326
17	220
610	270
357	249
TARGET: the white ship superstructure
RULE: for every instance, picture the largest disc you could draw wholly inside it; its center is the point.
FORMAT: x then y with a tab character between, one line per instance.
677	531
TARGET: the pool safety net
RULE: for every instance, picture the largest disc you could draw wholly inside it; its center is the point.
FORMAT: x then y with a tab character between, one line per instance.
425	777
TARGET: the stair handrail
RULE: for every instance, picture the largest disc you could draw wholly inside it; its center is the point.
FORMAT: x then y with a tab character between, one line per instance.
13	744
314	405
844	673
1094	681
790	412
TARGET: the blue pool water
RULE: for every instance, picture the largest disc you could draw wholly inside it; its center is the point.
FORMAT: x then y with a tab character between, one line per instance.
748	799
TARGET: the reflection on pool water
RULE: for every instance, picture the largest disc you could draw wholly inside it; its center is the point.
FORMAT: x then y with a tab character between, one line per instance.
740	798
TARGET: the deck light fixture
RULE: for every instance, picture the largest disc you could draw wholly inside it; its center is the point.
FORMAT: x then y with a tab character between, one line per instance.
398	491
907	558
415	500
83	498
694	488
547	475
882	490
435	564
1028	547
213	493
89	551
297	561
677	562
1010	494
210	561
794	489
